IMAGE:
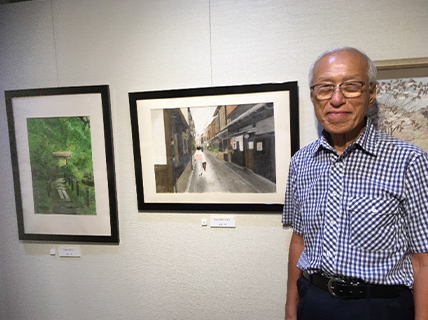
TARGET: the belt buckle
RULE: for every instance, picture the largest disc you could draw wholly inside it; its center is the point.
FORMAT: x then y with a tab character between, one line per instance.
330	286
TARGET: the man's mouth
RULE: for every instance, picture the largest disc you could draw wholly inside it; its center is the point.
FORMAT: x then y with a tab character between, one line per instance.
337	114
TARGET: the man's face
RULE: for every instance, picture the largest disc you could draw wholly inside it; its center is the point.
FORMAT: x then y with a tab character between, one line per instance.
339	115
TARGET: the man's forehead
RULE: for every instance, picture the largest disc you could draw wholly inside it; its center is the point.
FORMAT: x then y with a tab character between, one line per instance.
352	57
348	62
331	59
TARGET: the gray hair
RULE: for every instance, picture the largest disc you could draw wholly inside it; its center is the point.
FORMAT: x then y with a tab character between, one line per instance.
371	70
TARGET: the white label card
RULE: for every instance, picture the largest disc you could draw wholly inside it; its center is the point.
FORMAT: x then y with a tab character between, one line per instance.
222	222
69	252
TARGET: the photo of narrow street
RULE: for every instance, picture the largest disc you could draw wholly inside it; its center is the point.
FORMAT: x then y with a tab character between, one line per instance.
235	144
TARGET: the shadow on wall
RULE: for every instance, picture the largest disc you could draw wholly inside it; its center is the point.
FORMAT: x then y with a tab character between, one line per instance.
11	1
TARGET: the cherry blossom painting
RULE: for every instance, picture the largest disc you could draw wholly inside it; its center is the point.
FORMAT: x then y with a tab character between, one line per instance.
403	109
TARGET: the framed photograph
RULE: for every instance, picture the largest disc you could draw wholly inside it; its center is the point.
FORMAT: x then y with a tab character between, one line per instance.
62	160
214	149
401	107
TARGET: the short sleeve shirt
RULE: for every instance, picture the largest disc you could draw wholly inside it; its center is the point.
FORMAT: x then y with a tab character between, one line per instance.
362	213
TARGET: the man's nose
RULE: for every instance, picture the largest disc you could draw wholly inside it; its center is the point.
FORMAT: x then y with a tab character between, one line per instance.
337	98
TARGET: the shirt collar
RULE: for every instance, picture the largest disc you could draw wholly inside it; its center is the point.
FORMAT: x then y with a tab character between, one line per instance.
366	141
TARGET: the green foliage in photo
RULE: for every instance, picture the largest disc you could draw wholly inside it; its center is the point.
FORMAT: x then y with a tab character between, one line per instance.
61	156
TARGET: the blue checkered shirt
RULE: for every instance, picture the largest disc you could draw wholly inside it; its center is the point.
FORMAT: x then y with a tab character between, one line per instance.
362	213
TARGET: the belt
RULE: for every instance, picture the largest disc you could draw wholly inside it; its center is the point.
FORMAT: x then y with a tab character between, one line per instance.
340	288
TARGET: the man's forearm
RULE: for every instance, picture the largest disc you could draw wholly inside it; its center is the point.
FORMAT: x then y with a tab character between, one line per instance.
296	248
420	286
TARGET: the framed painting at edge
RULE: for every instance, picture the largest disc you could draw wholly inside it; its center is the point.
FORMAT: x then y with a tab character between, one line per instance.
401	107
63	165
243	129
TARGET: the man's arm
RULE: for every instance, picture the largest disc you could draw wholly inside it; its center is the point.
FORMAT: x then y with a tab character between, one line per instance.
420	285
296	248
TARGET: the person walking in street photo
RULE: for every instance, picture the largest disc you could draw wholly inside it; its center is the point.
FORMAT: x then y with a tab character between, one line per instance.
201	162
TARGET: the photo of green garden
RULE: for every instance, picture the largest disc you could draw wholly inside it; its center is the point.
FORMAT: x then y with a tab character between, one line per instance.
61	165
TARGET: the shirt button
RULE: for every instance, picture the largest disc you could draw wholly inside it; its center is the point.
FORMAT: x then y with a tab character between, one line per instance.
334	194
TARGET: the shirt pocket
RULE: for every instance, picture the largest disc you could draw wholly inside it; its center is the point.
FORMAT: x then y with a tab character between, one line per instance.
373	223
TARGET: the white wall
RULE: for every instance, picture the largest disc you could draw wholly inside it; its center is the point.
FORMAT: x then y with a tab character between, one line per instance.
167	266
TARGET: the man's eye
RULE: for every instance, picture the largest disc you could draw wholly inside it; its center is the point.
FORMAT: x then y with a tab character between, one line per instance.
324	88
352	87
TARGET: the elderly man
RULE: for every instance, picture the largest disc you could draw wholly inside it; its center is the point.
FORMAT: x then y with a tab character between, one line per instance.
357	200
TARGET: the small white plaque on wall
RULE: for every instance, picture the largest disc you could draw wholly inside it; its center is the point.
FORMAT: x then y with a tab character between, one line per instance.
69	252
222	222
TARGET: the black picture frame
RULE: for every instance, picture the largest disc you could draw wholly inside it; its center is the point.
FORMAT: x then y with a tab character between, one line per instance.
147	107
59	221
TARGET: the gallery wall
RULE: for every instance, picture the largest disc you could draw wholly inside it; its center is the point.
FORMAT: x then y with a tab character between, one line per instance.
167	266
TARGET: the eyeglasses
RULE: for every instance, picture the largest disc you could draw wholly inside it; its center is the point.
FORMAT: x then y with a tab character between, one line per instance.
349	89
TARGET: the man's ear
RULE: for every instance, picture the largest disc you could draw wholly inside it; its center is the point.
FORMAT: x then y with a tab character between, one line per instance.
312	96
372	93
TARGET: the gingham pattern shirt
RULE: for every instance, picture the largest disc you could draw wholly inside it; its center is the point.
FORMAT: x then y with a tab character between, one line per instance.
361	213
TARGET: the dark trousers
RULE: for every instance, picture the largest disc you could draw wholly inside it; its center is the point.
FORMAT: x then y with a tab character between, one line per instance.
317	304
